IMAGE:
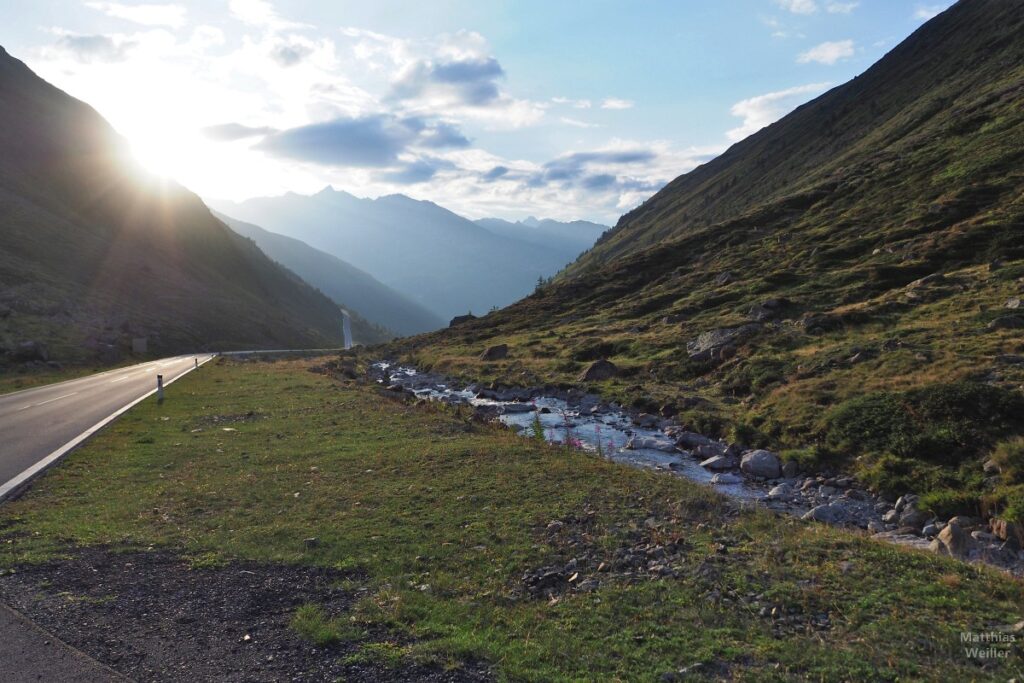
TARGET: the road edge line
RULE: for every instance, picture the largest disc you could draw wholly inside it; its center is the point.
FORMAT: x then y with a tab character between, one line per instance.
16	485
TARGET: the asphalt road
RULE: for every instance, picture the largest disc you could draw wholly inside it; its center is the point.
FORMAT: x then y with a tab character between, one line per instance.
38	425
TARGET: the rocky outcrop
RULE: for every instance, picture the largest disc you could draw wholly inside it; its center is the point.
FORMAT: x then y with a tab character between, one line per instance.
496	352
952	541
598	371
721	343
1006	322
460	319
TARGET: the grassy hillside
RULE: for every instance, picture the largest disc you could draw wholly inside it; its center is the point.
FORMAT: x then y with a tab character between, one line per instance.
347	286
94	252
844	284
446	542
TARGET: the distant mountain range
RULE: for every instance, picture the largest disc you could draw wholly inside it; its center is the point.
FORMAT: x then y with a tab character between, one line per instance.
440	260
339	280
94	253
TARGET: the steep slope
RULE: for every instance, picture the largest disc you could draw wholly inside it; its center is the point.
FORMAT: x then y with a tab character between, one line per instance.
440	260
94	253
348	286
846	283
568	240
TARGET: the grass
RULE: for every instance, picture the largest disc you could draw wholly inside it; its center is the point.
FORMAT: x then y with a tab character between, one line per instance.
439	517
16	379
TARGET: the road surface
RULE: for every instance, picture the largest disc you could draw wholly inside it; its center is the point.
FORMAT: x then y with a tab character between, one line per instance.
37	426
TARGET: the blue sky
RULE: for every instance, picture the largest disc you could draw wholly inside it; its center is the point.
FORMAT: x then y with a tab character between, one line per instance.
568	109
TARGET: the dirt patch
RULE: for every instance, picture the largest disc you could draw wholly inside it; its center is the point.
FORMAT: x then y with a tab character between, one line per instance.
154	616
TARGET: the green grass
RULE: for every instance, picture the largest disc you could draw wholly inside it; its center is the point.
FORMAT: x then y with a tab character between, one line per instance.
438	517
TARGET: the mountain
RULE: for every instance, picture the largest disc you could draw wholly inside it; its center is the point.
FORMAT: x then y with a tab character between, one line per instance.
844	285
440	260
568	239
93	252
344	283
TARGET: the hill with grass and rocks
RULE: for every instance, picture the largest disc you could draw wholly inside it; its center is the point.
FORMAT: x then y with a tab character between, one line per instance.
442	261
94	252
843	287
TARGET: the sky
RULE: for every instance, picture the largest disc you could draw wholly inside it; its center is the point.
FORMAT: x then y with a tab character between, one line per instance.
565	109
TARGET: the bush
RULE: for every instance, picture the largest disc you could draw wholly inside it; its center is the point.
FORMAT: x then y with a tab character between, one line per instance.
1009	457
946	503
942	423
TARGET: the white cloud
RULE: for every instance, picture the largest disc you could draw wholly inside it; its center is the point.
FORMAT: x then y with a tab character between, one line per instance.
260	13
827	53
576	123
616	103
147	15
798	6
926	12
576	104
762	110
841	7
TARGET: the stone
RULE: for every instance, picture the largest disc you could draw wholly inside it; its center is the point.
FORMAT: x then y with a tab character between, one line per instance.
780	491
953	541
513	408
832	513
1006	322
598	371
460	319
720	343
1008	531
875	528
914	518
724	278
709	450
674	319
963	521
496	352
719	462
1013	303
929	530
983	536
761	463
655	443
726	478
692	440
311	543
891	517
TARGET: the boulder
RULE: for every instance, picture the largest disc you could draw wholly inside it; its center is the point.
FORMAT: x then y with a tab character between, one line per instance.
780	491
953	541
767	309
914	517
790	469
598	371
692	440
726	478
1008	531
460	319
496	352
28	351
720	343
1006	322
719	462
832	513
1013	303
761	463
655	443
709	450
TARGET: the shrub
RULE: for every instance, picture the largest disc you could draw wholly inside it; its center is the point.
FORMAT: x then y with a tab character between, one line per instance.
1009	456
946	503
941	423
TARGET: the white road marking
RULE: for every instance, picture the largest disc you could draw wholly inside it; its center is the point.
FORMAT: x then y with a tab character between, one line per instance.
120	379
51	400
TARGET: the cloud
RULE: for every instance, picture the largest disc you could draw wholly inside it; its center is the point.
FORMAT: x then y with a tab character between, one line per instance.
616	103
290	54
147	15
841	7
494	174
827	53
576	123
571	167
228	132
469	81
95	48
762	110
370	141
577	104
418	171
259	13
798	6
927	12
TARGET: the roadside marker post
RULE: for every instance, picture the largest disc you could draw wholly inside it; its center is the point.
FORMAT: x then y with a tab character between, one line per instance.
159	388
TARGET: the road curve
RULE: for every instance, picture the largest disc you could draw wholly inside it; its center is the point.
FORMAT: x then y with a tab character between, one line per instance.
38	426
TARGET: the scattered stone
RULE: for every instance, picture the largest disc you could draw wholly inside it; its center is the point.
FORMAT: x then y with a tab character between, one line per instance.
1013	303
930	530
952	540
598	371
655	443
720	343
692	440
726	478
913	517
780	491
832	513
761	463
496	352
963	521
1008	531
891	517
719	462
